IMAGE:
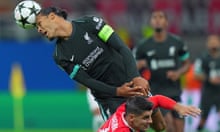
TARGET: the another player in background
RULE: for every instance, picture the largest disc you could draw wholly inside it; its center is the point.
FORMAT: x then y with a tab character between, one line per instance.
135	114
207	69
97	120
167	58
91	53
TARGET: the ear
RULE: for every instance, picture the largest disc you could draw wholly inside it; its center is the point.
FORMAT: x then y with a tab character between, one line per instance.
52	16
130	117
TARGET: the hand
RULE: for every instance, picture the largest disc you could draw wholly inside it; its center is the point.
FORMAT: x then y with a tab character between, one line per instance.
126	90
173	75
143	83
187	110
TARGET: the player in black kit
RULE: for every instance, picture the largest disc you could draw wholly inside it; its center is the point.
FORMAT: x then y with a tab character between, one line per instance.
91	53
167	58
207	69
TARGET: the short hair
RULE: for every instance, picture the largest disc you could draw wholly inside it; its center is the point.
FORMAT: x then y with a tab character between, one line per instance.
137	105
164	13
56	10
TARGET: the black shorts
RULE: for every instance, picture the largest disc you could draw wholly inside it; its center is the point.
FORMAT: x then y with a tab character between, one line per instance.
109	106
174	113
209	99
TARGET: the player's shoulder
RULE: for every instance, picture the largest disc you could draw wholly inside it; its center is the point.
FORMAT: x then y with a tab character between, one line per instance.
145	41
175	37
88	18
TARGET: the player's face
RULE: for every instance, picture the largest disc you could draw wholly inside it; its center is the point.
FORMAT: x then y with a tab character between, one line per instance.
46	26
158	20
213	43
142	122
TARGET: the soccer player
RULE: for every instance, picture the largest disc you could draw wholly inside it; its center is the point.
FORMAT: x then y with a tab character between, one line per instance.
207	69
167	58
91	53
135	114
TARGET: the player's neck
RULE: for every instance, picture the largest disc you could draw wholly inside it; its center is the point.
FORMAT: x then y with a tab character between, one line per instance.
160	36
65	29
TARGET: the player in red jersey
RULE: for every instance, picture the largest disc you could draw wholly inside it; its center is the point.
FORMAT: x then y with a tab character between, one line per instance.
135	114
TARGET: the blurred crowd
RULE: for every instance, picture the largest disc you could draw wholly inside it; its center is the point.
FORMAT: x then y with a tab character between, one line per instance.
129	16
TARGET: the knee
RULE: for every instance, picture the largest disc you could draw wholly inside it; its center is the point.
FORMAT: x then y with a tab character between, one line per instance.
159	126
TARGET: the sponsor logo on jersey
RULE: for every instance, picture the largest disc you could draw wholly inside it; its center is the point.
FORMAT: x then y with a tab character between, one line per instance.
87	38
92	56
99	22
151	53
166	63
172	51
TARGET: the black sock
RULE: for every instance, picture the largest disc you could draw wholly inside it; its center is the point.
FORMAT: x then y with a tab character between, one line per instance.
199	127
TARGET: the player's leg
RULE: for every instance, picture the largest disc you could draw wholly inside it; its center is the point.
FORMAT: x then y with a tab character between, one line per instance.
97	120
109	106
158	121
168	119
206	104
178	120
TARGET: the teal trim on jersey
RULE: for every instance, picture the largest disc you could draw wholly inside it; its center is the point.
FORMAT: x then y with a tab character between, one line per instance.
105	33
184	57
75	70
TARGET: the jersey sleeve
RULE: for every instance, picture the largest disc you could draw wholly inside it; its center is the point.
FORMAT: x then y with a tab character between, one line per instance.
183	51
162	101
77	73
98	26
106	33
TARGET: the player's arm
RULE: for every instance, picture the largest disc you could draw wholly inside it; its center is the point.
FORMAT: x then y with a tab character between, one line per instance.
170	104
75	72
107	34
184	57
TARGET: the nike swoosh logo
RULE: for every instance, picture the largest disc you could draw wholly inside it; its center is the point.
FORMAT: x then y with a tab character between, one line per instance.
72	58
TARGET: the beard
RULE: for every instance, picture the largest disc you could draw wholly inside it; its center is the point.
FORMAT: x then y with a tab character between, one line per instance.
214	49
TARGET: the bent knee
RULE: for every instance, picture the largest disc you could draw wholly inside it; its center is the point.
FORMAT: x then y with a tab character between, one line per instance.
159	126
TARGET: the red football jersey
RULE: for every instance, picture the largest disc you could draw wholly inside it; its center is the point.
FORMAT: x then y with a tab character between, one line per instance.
117	122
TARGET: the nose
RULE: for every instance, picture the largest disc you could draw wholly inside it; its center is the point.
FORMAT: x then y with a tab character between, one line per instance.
150	121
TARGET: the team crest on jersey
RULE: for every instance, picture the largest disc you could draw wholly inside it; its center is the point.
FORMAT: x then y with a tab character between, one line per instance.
172	51
87	38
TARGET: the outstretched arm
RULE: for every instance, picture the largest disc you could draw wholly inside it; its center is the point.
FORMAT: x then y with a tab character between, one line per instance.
168	103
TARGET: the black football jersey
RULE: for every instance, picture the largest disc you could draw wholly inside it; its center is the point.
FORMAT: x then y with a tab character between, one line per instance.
161	57
88	58
209	66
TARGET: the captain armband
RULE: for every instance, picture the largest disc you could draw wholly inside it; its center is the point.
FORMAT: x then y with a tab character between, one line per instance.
105	33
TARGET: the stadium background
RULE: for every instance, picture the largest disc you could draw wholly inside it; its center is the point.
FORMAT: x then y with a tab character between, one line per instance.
36	95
